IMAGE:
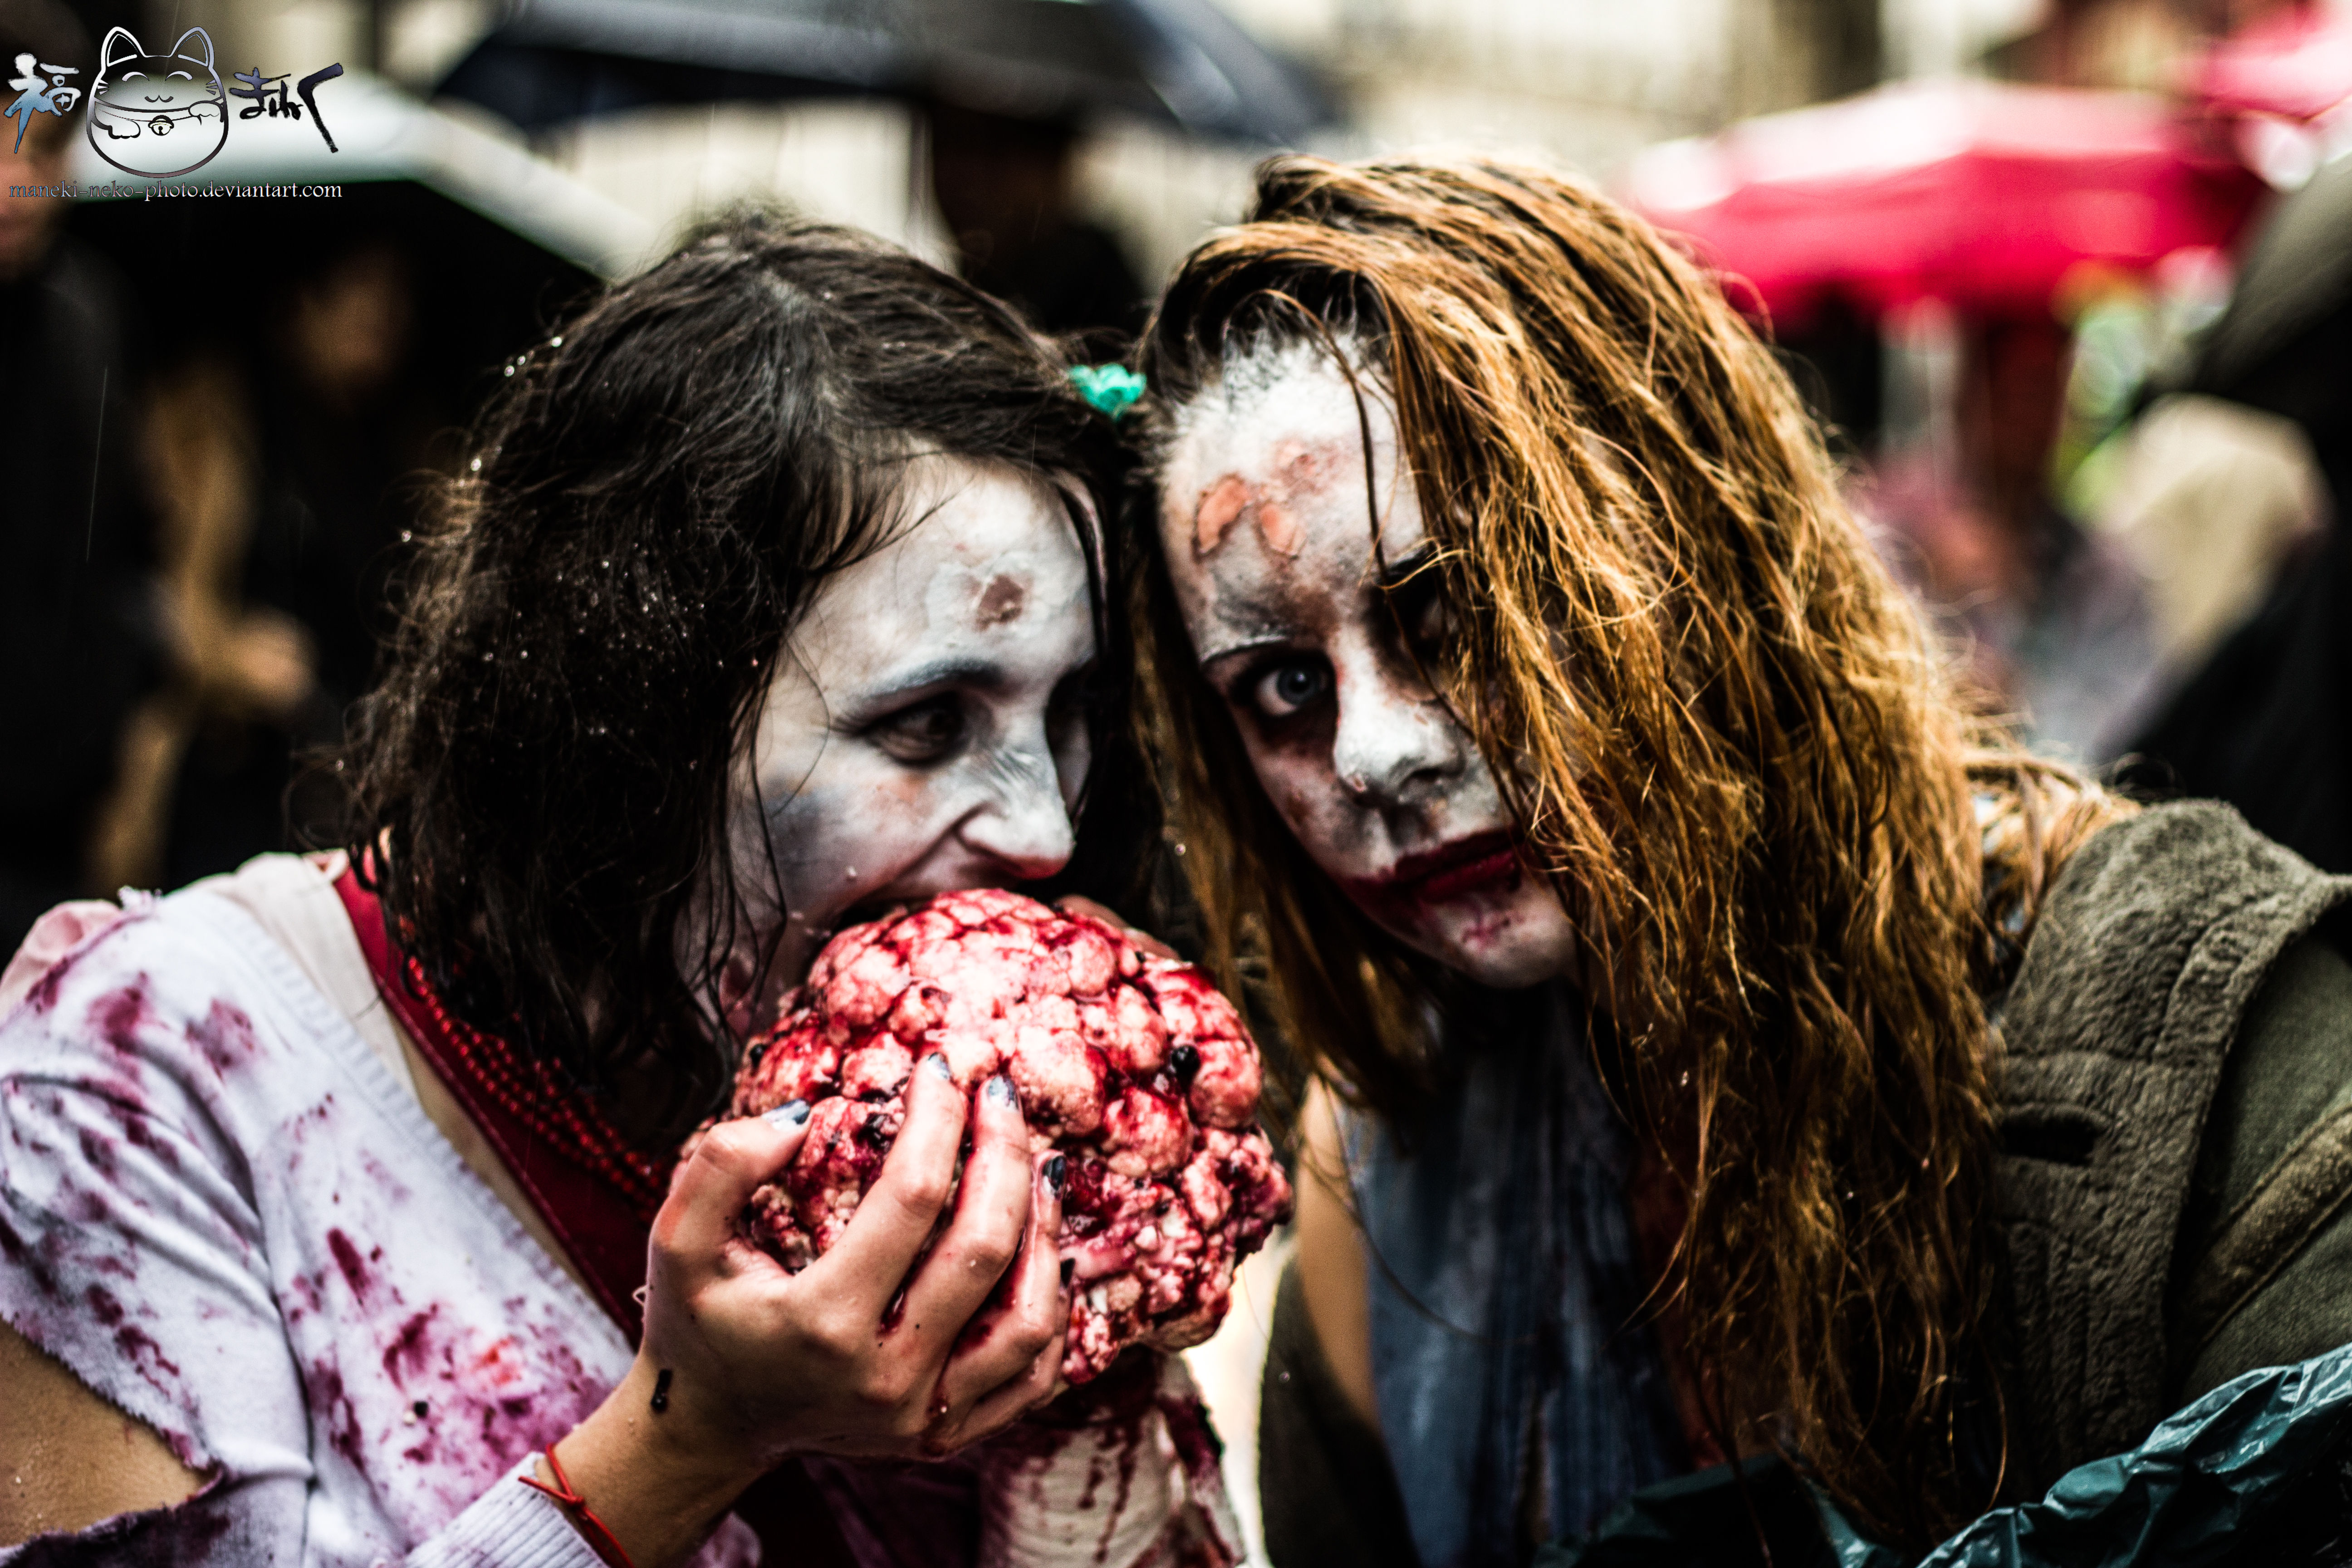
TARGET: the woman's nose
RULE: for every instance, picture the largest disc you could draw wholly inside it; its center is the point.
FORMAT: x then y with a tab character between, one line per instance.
1394	742
1024	827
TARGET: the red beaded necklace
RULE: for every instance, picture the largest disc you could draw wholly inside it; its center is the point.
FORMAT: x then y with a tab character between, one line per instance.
597	1194
537	1095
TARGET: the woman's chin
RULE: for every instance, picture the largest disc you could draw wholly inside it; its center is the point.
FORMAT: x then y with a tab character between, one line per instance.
1525	942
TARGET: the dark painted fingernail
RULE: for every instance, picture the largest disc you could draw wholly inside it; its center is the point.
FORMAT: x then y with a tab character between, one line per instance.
792	1113
999	1091
1056	1169
937	1064
1069	1268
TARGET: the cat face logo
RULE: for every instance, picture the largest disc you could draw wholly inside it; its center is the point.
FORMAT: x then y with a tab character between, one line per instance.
157	115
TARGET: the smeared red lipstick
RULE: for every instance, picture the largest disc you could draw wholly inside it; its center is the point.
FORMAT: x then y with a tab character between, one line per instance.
1472	865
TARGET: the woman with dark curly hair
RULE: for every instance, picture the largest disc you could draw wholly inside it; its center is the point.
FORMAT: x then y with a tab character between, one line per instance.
1723	1042
773	595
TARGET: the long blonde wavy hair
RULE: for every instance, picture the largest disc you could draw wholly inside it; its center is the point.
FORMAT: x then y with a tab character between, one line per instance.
1726	738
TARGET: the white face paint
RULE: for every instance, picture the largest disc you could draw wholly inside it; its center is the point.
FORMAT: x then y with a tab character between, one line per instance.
924	731
1268	539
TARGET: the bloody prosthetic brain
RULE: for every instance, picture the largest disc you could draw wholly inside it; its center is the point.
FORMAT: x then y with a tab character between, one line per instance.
1131	1064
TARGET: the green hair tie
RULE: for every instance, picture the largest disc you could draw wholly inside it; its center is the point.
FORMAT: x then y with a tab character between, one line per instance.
1113	389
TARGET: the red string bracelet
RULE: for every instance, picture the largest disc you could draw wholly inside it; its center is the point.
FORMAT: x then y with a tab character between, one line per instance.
607	1545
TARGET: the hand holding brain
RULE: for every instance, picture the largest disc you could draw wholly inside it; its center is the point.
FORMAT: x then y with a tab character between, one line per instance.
1132	1064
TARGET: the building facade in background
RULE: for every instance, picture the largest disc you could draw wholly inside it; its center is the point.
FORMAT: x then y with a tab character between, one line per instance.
1580	82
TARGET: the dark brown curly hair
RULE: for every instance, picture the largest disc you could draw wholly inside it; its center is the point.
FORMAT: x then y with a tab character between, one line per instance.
656	498
1725	736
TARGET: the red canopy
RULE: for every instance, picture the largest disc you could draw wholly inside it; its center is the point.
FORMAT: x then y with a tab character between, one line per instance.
2296	65
1981	194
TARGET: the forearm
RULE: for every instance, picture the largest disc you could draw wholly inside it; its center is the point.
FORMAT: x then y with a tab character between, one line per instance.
266	1521
1329	1492
1331	1269
658	1479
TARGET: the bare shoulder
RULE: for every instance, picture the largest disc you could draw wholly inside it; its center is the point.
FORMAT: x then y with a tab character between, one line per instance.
73	1459
1331	1260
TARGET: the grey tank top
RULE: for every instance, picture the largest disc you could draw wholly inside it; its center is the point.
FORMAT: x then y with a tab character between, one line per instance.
1521	1393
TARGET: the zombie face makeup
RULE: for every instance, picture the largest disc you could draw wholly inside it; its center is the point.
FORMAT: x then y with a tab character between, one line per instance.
1267	530
925	730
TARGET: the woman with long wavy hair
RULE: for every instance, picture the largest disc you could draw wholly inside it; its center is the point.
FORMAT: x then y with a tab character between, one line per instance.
1722	1040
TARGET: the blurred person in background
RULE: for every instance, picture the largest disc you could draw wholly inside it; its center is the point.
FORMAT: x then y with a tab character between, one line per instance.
2054	620
2209	499
286	602
1004	186
2265	724
78	641
282	457
1834	356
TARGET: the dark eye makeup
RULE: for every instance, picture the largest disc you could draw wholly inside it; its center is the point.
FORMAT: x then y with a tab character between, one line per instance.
1284	684
1417	600
922	732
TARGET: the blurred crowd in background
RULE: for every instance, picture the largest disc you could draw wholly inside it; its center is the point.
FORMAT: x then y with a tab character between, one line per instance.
2066	281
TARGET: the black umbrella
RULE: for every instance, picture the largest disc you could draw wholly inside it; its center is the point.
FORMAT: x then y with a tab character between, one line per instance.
1183	61
496	243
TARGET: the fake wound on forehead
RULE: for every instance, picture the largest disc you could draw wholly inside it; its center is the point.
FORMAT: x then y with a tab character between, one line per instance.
1230	499
1003	598
1296	472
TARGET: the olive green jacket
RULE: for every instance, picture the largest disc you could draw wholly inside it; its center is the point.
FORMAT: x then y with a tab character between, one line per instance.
2176	1089
2176	1126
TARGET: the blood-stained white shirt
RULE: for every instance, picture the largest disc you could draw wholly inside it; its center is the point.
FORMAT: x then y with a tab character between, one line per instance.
222	1210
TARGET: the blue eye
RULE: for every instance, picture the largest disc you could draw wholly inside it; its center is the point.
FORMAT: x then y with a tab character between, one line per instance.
1291	685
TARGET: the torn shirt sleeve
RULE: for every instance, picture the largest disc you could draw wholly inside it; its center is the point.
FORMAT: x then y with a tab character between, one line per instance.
509	1526
132	1251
